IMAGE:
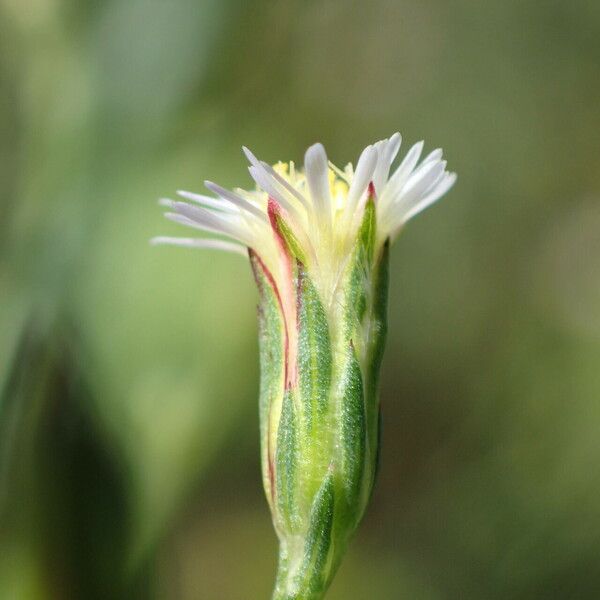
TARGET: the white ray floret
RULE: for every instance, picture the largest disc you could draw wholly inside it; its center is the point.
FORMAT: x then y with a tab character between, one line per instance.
201	243
316	169
236	200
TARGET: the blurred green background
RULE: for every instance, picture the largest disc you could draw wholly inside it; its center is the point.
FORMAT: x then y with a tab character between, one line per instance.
129	461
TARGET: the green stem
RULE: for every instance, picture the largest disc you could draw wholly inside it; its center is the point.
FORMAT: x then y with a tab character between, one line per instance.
289	585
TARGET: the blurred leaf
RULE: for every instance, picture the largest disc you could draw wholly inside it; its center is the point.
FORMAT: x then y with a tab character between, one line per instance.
63	487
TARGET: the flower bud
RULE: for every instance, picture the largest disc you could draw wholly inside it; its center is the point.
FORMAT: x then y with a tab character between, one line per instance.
318	242
319	410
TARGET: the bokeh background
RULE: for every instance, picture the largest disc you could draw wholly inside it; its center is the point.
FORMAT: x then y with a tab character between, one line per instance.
129	461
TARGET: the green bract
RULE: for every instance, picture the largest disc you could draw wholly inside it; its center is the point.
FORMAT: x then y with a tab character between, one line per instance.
320	416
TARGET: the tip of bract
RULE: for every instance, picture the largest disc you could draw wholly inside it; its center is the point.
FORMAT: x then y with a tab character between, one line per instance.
371	190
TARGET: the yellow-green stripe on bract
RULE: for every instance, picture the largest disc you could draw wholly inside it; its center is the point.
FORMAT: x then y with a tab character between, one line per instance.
314	351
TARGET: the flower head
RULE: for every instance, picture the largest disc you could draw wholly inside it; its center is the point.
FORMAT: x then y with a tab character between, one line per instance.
321	205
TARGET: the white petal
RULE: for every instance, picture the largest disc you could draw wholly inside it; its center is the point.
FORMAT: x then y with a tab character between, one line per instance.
200	243
316	170
236	200
207	201
183	220
265	181
362	177
227	224
270	185
386	150
285	184
419	184
412	204
402	173
250	156
445	184
394	146
440	189
423	177
434	155
381	170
